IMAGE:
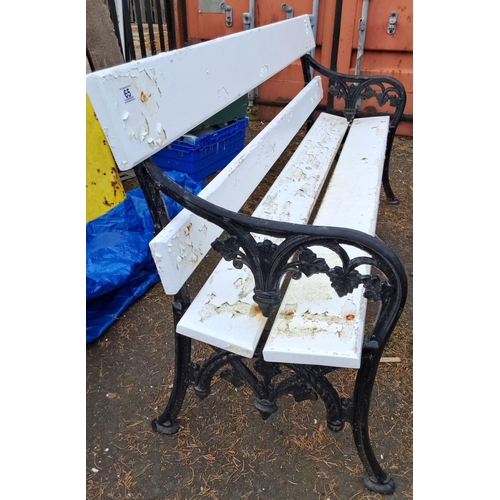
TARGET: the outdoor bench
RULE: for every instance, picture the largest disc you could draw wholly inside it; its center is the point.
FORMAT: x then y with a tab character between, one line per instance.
259	318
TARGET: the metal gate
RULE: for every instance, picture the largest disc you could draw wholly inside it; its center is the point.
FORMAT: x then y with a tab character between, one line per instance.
143	27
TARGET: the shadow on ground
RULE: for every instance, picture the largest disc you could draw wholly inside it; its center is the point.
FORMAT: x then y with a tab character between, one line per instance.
224	450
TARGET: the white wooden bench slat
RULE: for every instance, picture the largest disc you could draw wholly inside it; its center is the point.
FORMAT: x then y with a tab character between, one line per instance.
223	313
182	244
313	324
146	104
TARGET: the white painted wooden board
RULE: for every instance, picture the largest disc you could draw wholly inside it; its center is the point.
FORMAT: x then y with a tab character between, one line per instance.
314	325
181	245
223	313
146	104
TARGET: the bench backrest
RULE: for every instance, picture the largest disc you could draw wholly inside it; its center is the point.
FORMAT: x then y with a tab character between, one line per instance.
182	244
145	105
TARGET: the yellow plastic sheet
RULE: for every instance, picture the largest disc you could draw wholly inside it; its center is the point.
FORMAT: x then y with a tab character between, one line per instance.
104	187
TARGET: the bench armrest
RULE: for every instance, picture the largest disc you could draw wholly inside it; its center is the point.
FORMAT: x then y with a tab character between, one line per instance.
270	262
387	91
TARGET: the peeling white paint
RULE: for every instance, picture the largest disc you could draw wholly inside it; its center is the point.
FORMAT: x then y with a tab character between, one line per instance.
231	188
232	310
223	93
160	84
313	324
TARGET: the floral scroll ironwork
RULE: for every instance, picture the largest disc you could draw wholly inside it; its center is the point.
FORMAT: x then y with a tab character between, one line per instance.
344	280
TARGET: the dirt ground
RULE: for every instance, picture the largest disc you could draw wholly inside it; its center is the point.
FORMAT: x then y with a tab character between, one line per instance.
224	450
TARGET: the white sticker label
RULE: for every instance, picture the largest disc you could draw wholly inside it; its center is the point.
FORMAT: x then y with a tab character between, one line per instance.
128	96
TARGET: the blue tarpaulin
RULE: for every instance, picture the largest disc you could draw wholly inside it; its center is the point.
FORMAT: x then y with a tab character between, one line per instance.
120	268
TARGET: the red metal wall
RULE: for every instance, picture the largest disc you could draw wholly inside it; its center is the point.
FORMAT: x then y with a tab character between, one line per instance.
384	53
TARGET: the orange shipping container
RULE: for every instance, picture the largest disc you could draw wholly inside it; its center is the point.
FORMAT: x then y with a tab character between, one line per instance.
387	46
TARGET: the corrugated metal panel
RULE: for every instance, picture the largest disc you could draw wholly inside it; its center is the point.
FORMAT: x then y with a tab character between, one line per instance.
384	53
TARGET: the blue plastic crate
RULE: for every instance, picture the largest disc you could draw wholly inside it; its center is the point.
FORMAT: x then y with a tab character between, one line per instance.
201	156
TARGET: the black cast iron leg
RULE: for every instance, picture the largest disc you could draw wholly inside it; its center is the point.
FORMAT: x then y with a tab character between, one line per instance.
166	423
391	197
183	375
377	480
